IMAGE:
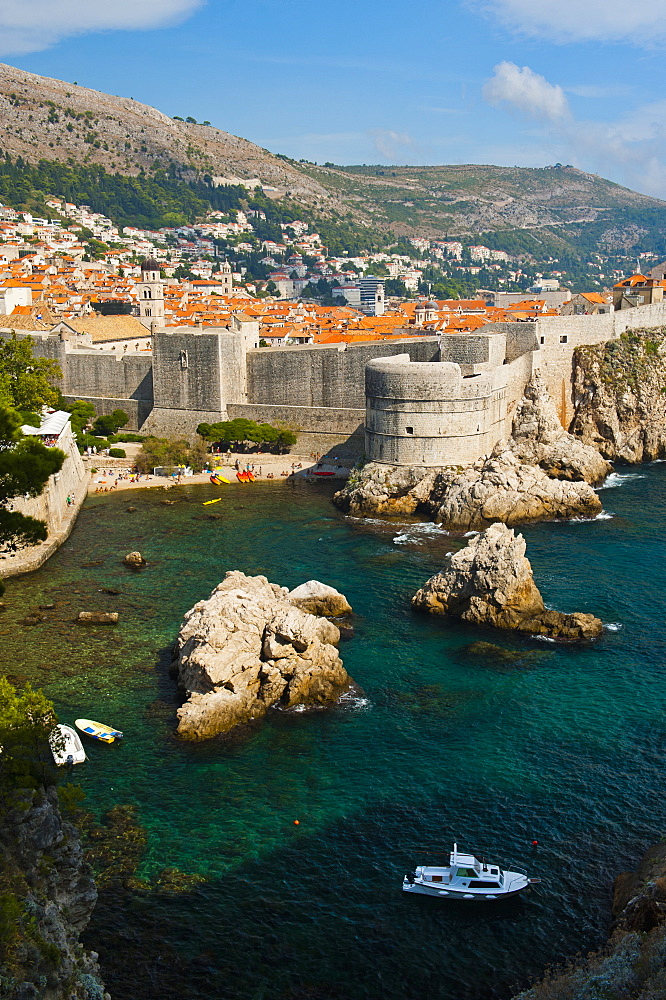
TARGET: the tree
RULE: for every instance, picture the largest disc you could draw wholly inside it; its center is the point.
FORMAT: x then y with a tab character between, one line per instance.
25	467
26	721
81	414
25	381
170	453
240	432
110	423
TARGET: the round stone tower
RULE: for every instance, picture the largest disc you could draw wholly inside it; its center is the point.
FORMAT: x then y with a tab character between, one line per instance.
429	414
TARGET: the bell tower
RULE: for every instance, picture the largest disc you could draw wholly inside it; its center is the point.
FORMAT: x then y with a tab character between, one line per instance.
150	290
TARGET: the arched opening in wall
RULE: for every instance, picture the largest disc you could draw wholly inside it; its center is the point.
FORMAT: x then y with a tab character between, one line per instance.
146	293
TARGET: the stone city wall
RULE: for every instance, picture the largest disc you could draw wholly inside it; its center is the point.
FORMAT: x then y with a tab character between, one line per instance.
51	506
317	375
321	430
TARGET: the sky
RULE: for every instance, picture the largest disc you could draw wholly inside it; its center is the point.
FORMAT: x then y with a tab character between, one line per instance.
510	82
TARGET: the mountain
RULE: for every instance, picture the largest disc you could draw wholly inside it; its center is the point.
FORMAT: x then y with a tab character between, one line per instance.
41	118
564	208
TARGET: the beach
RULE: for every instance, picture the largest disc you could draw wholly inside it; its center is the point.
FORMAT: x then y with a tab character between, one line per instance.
112	475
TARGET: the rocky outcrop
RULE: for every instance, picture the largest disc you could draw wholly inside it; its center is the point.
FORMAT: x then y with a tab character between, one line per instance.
501	488
631	964
248	648
318	599
48	896
538	438
620	396
490	582
540	473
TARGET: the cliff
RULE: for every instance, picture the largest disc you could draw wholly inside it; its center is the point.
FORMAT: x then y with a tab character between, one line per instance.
47	896
620	396
490	582
249	648
541	473
632	963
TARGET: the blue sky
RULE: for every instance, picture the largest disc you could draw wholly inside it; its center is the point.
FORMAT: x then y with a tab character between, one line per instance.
524	82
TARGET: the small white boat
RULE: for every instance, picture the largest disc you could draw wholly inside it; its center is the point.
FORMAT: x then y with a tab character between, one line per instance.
66	746
98	730
467	878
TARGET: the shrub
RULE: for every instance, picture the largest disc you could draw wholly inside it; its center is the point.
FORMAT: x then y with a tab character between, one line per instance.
117	453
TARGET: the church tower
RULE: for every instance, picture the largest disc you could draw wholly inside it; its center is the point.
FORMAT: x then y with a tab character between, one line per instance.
151	294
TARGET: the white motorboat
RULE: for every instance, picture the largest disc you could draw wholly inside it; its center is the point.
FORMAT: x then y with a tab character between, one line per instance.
467	878
66	746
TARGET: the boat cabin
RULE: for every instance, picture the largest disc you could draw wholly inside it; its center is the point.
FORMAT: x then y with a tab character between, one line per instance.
465	871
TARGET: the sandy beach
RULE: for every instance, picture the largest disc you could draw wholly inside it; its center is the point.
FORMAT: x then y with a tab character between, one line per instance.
110	477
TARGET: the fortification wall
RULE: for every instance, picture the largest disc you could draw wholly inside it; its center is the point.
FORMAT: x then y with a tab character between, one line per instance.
325	375
429	414
51	506
320	430
198	371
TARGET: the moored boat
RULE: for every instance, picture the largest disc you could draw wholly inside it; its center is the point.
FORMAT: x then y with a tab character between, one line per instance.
66	746
468	879
98	730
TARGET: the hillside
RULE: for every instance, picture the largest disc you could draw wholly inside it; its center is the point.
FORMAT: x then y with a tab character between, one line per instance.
41	118
455	200
555	211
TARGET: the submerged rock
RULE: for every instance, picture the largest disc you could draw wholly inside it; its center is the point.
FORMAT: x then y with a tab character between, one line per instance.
490	583
135	560
248	648
319	599
98	617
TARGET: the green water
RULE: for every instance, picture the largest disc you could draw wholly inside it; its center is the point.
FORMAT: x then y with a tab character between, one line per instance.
565	746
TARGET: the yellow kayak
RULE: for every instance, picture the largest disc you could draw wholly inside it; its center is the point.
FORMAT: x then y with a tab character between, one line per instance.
207	502
98	731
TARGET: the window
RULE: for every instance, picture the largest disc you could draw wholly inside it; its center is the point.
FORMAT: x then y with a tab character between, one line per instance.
479	884
564	339
466	873
148	312
146	293
409	430
182	359
542	340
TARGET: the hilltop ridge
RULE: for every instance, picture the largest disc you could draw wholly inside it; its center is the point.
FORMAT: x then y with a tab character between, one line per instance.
44	118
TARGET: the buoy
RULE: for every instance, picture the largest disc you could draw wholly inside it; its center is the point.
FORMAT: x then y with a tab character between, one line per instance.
535	843
297	822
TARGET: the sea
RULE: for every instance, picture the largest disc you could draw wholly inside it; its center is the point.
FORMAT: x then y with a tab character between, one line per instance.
291	836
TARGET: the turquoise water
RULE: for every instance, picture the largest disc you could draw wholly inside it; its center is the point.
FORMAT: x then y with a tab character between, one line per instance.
565	746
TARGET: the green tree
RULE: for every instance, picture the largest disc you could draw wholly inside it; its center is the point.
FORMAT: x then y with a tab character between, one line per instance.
110	423
26	381
27	718
82	413
25	466
170	453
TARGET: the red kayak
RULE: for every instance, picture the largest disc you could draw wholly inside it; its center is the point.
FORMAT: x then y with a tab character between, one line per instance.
324	473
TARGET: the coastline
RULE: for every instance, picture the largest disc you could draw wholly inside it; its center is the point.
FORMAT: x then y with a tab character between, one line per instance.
274	468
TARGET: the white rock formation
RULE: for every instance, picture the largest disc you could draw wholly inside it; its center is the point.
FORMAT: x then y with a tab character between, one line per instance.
319	599
490	583
248	648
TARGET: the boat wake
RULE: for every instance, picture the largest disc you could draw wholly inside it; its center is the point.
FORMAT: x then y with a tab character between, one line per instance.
613	626
603	516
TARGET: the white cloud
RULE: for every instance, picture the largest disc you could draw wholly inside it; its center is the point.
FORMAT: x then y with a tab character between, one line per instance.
631	149
526	91
642	22
389	144
32	25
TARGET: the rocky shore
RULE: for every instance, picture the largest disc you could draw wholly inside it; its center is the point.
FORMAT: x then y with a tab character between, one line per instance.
250	647
490	582
632	962
541	473
47	895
